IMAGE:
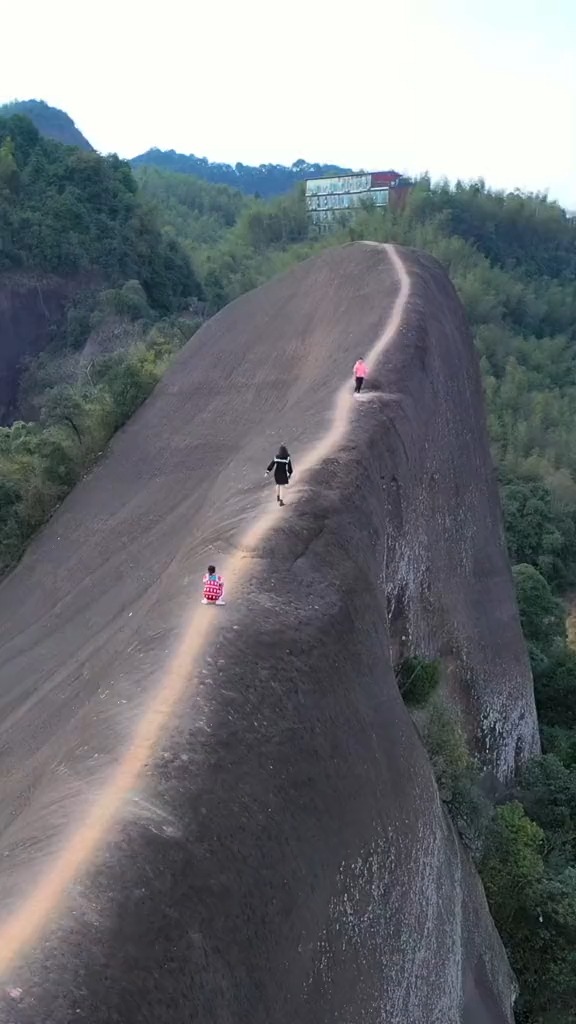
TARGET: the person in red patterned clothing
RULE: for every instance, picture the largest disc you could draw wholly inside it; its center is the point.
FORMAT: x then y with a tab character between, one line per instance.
213	587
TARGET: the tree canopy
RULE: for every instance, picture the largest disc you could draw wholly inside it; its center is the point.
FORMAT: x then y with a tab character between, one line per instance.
65	210
51	122
266	180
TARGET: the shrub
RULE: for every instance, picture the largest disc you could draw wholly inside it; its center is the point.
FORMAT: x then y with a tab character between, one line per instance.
417	680
129	300
128	377
457	776
512	864
541	614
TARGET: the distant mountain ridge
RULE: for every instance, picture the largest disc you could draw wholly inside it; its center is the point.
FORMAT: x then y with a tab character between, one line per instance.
266	179
50	122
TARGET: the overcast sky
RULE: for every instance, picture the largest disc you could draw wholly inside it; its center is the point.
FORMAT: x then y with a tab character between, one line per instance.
477	88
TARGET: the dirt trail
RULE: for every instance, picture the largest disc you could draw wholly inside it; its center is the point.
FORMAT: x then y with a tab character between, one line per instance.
25	924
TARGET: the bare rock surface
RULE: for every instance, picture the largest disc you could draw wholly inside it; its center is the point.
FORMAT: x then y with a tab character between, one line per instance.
226	814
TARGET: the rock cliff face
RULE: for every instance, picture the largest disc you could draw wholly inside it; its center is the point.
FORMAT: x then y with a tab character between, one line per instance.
280	853
31	306
445	566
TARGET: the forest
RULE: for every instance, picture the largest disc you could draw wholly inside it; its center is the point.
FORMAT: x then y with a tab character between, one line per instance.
165	240
264	181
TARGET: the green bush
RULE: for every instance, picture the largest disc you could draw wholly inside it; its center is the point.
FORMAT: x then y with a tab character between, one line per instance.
541	615
129	301
417	680
456	774
512	864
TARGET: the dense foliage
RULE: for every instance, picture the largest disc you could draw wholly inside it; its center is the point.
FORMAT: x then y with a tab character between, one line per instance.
529	859
266	180
525	845
65	210
191	210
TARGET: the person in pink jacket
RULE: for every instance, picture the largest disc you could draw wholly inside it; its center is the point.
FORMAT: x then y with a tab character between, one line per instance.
212	587
360	372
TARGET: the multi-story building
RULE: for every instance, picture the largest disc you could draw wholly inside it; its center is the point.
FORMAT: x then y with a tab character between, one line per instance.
330	196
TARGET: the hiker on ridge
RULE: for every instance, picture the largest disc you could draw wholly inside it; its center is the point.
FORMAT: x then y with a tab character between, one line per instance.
212	587
282	466
360	371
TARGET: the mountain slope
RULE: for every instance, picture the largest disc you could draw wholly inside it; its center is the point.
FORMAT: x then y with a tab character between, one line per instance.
51	122
272	846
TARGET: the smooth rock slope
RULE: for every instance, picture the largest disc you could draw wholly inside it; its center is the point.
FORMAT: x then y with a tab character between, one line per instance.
227	814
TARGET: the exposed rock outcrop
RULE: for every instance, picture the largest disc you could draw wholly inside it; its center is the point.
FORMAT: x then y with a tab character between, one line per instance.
280	852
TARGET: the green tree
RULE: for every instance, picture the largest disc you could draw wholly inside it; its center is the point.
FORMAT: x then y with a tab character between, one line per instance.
63	209
547	790
555	689
512	865
9	173
541	615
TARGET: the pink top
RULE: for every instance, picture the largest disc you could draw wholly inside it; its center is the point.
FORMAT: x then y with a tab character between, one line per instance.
360	369
213	587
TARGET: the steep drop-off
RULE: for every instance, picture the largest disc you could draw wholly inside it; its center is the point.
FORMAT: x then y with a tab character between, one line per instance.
233	818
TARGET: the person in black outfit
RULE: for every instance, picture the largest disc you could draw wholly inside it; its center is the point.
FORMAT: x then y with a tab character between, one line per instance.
282	466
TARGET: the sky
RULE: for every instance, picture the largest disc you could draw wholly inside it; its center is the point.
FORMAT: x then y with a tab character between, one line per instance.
459	89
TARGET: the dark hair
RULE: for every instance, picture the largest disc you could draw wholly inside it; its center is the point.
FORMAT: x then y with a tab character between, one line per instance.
283	452
211	569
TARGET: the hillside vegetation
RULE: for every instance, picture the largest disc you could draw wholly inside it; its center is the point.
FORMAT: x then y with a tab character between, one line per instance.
266	180
64	210
50	122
